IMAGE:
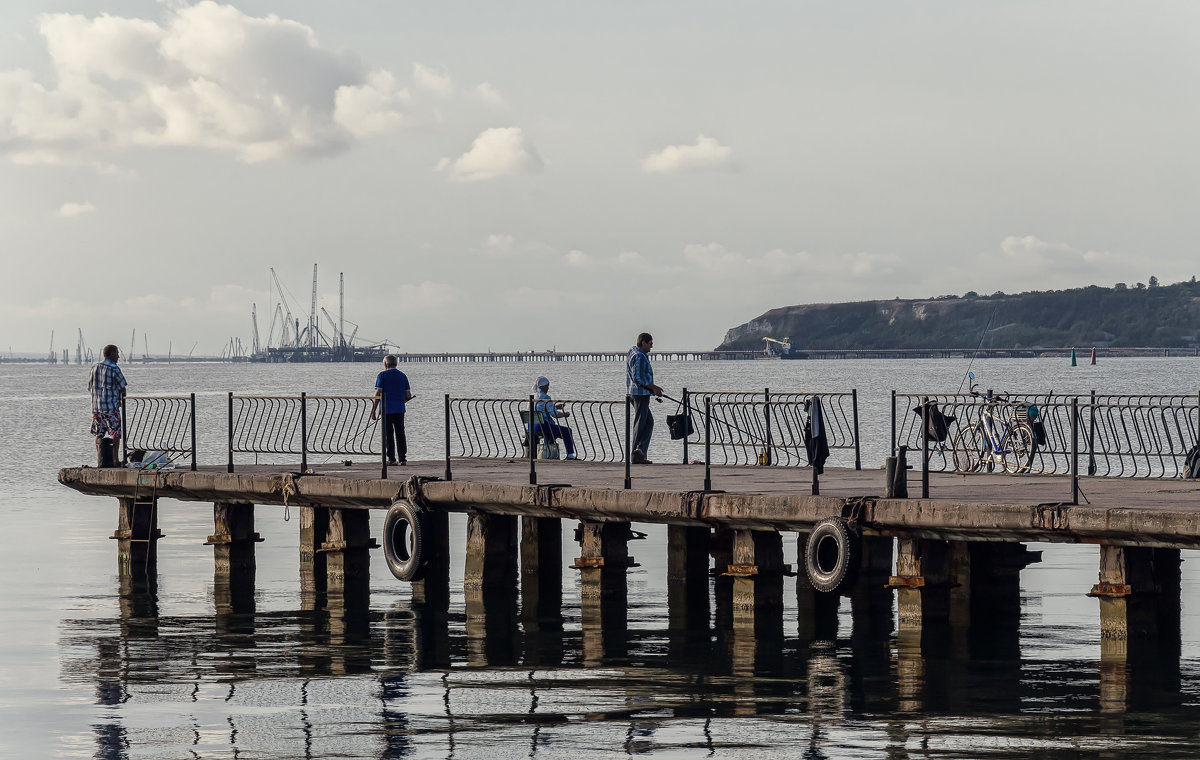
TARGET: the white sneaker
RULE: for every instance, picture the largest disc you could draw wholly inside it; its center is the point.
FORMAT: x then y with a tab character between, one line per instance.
572	456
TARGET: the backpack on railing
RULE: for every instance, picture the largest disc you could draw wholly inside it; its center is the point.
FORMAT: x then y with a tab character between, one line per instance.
937	425
1191	464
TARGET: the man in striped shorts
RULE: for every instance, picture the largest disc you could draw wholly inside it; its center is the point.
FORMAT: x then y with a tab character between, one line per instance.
107	386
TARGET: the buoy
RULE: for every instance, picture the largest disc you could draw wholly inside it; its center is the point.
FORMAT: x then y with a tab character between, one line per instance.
1073	362
1093	354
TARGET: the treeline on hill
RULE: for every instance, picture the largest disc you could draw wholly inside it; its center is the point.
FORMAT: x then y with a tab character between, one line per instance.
1162	316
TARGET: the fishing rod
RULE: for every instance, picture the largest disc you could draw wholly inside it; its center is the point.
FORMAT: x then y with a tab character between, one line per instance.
977	347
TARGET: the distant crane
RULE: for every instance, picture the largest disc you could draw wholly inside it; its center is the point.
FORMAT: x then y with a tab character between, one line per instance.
341	327
785	346
254	323
287	314
146	340
79	348
312	313
53	356
132	335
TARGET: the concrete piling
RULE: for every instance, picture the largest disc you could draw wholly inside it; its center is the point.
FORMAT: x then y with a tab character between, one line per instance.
490	588
603	563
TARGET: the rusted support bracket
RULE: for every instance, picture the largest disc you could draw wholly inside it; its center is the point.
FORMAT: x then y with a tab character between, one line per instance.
224	539
1111	590
126	534
587	563
916	581
741	571
341	546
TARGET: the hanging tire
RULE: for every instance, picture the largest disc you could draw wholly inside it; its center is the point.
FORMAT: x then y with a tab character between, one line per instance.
832	555
404	540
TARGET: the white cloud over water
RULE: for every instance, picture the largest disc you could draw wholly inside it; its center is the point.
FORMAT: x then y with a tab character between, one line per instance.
72	209
208	77
494	153
705	155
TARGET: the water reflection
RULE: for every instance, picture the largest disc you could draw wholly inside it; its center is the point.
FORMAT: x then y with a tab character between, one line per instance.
428	679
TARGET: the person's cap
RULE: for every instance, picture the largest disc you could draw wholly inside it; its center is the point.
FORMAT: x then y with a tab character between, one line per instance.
542	382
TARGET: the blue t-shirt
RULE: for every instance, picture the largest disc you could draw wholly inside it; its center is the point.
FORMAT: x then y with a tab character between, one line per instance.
395	389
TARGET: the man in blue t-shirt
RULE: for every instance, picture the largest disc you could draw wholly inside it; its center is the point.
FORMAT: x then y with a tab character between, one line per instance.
392	386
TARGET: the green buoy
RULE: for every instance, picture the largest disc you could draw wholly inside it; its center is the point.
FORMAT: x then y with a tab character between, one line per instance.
1073	362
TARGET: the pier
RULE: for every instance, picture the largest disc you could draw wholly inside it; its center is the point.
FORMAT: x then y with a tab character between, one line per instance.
947	557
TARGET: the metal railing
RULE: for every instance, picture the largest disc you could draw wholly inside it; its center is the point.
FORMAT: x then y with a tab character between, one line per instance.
495	428
1119	435
767	428
160	423
303	425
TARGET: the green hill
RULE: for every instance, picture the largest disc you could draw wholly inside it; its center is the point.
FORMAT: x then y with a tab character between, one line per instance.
1166	316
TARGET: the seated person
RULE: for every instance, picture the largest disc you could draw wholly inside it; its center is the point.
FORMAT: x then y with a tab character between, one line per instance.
551	412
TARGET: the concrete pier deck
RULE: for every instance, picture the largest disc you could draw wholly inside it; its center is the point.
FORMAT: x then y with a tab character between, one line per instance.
978	507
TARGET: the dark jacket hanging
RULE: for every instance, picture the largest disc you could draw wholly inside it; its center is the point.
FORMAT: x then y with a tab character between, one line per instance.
815	441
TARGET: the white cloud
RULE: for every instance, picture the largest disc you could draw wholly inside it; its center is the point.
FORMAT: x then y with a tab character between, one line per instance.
209	76
629	259
495	153
489	95
372	108
437	82
707	154
72	209
577	258
499	243
1030	254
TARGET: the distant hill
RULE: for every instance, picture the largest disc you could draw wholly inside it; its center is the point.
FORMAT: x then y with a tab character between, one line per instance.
1165	316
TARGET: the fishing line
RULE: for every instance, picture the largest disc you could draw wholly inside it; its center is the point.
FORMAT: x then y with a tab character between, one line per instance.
979	346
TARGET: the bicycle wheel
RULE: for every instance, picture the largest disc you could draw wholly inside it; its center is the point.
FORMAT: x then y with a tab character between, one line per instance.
969	446
1016	451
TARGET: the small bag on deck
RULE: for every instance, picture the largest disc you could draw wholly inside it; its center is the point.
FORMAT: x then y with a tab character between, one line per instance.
937	425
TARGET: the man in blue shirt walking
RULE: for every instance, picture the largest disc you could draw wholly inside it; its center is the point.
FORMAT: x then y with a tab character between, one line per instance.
392	386
639	384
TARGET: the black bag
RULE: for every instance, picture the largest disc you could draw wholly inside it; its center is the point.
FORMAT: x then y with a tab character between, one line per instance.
1039	432
937	427
680	424
1191	464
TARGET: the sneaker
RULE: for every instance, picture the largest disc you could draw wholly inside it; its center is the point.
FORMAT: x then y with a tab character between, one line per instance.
392	462
403	462
572	456
639	457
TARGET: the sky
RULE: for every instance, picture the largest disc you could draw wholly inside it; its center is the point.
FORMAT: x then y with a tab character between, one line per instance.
491	176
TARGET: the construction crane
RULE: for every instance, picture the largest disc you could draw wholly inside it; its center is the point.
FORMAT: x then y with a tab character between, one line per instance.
287	313
341	327
146	342
312	313
254	324
132	336
785	346
53	356
79	348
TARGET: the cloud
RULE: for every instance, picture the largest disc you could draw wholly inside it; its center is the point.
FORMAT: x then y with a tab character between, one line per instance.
1030	254
577	258
498	243
495	153
706	155
431	80
716	260
489	96
71	209
208	77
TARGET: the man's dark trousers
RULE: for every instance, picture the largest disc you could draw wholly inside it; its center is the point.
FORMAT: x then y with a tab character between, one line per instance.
643	423
393	436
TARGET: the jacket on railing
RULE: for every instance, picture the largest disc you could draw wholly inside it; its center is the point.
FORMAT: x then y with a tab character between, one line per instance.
816	443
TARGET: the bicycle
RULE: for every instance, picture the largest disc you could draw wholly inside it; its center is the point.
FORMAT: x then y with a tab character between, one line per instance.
1005	441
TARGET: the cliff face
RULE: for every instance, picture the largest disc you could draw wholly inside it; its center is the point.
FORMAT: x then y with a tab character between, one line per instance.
1166	316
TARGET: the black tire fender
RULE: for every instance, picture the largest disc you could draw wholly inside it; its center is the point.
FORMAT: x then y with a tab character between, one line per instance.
832	555
404	531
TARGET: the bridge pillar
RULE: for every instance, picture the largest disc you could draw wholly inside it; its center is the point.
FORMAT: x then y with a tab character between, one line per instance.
603	563
137	534
922	582
347	550
541	570
433	591
817	612
233	541
490	588
687	577
1139	594
314	528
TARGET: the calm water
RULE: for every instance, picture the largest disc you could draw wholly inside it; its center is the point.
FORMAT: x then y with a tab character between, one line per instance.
89	671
